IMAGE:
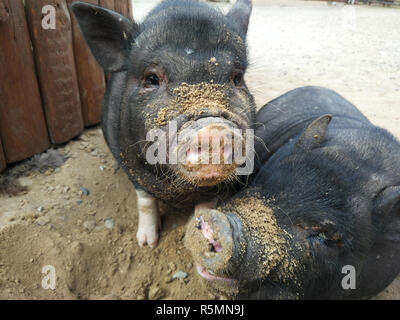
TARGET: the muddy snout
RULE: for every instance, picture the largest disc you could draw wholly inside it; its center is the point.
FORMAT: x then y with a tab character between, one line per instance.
209	239
206	150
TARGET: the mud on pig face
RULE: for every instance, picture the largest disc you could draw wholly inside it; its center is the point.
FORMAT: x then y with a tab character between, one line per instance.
184	68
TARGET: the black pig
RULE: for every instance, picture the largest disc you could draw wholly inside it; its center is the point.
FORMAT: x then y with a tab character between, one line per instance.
321	217
181	69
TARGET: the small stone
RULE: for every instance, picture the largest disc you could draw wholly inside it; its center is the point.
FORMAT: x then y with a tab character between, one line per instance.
115	165
180	275
89	225
40	209
171	266
109	223
42	221
25	182
85	191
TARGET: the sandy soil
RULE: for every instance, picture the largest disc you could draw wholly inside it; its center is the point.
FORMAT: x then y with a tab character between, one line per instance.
81	218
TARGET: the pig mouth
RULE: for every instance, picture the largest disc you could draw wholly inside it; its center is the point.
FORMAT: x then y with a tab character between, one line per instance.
210	276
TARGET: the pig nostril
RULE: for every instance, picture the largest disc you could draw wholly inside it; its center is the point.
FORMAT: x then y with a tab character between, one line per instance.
214	246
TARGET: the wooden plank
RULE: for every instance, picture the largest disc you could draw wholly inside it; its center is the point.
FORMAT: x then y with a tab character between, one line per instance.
123	7
90	74
22	123
108	4
55	63
2	158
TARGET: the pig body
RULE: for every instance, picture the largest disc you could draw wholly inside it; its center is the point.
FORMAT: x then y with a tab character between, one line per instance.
321	216
181	70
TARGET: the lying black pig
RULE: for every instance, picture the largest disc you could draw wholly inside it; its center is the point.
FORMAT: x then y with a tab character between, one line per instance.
320	219
176	82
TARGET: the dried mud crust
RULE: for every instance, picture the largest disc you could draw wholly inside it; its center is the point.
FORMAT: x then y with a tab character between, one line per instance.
272	241
193	98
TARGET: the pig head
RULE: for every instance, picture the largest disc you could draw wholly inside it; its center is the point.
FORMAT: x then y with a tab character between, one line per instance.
321	217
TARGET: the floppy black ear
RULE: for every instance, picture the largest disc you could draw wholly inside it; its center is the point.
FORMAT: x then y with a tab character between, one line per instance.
240	14
314	134
108	34
387	206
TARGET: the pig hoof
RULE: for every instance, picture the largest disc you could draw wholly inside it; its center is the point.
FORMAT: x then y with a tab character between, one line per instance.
147	236
148	232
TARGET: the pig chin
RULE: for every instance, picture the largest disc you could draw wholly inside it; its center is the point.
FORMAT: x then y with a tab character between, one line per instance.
207	175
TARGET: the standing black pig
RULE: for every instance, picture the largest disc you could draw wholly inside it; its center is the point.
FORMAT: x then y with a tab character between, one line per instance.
321	218
182	68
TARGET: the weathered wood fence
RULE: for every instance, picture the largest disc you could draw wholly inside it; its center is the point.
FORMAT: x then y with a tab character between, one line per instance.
50	85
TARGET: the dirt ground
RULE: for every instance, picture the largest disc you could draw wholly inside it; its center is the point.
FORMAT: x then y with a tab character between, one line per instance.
81	218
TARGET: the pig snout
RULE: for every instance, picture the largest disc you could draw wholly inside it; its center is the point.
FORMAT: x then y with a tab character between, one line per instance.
209	238
207	151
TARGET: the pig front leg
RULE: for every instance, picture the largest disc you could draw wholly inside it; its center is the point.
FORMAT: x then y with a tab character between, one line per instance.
149	220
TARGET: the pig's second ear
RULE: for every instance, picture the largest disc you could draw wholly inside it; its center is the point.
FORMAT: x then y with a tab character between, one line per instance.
240	14
107	33
387	208
314	134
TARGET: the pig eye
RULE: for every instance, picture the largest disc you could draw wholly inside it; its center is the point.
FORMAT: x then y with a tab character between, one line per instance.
237	78
152	80
322	238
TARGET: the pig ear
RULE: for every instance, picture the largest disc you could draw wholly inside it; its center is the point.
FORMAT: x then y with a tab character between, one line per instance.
314	134
107	33
387	206
240	14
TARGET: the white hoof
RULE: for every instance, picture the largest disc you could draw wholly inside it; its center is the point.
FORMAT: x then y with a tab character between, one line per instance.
149	220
